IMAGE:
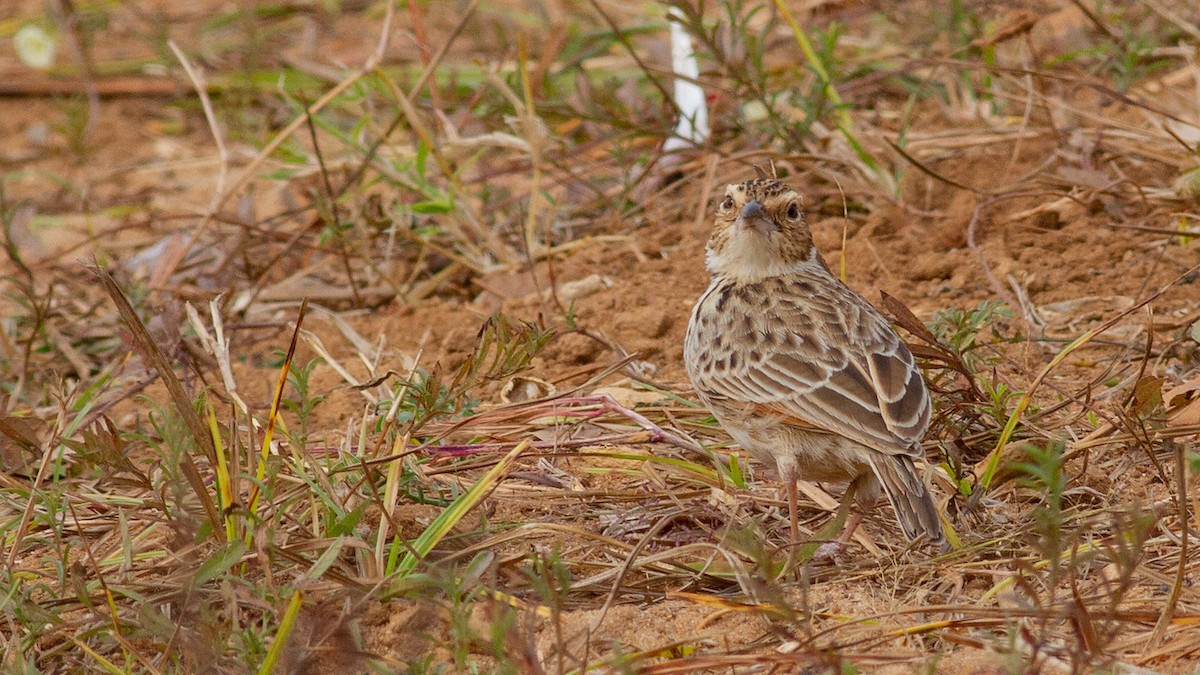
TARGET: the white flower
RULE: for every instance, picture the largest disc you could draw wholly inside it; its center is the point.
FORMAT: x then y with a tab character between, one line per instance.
35	47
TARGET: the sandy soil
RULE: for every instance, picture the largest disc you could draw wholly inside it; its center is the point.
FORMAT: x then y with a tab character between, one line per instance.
1070	262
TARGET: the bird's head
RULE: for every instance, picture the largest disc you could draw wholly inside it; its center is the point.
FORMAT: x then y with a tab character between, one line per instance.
760	232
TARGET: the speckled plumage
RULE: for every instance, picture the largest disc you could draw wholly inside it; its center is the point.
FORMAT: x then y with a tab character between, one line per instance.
801	371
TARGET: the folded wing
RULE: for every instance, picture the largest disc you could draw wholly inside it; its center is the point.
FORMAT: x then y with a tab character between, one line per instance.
869	391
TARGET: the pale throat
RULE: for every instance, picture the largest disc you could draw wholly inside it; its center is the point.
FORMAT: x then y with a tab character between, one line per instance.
749	256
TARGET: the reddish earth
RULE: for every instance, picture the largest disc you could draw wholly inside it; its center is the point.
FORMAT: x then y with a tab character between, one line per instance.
1088	236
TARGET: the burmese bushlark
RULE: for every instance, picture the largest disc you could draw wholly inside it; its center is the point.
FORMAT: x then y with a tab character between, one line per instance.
800	370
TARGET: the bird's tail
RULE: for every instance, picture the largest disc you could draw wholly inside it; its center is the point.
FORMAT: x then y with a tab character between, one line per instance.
915	510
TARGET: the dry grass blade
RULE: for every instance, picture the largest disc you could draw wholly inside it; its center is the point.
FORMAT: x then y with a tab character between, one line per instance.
273	414
179	398
992	463
250	171
931	173
1181	501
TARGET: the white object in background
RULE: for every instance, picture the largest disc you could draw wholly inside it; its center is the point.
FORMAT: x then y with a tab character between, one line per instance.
35	47
692	128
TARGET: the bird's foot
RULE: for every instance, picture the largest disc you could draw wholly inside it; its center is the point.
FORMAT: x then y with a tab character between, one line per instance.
829	551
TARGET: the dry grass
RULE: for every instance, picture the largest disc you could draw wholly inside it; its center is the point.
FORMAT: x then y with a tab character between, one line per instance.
176	497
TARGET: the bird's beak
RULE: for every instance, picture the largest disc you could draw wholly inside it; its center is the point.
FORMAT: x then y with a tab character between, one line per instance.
753	215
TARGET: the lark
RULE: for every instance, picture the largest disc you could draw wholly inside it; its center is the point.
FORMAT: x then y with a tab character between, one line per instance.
803	372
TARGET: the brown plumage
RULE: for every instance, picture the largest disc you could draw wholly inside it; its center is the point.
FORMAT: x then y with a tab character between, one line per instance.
801	371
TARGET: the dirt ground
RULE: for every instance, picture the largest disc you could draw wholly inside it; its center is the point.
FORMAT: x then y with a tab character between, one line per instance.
1069	221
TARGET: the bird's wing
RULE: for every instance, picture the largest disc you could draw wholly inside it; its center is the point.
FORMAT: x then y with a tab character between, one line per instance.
866	388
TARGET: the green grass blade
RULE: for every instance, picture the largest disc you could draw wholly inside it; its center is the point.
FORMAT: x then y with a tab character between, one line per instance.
442	525
281	637
326	560
993	462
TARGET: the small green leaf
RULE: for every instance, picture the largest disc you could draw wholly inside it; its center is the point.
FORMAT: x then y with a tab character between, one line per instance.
438	206
280	174
347	523
422	157
327	559
1194	461
735	472
220	561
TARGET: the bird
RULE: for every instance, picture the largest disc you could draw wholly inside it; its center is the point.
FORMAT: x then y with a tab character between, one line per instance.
802	371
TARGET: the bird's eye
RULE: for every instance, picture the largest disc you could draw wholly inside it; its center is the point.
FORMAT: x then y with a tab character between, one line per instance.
793	211
727	203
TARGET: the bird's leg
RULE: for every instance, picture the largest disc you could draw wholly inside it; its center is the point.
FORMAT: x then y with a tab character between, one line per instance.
852	524
790	475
